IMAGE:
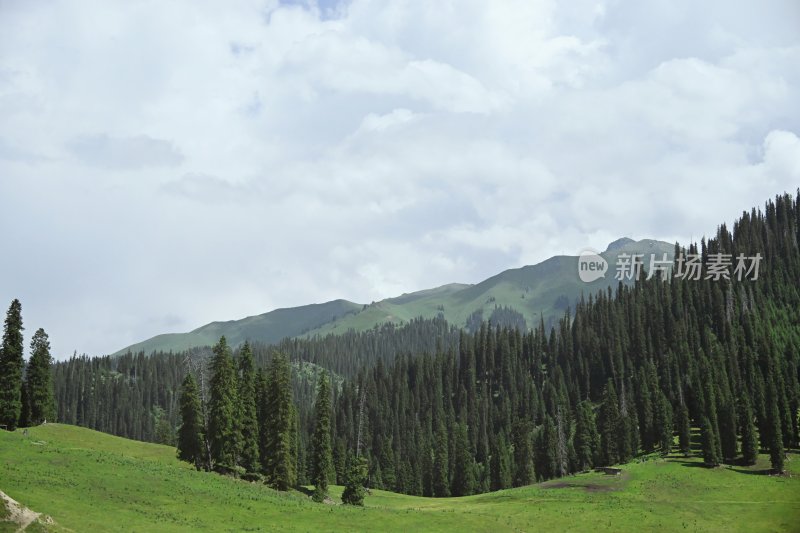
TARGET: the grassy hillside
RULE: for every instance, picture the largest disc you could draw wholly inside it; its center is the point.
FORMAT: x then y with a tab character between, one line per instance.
268	327
89	481
544	290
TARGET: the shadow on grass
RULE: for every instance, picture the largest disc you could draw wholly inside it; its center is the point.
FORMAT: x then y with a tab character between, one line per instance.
742	467
759	472
308	491
691	464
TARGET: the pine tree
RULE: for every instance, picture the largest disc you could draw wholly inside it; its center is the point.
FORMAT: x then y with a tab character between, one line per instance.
684	430
775	437
662	422
463	465
711	453
500	464
523	454
25	405
248	422
262	410
354	490
11	367
441	485
322	460
190	440
223	409
727	431
281	449
609	426
749	439
39	383
587	439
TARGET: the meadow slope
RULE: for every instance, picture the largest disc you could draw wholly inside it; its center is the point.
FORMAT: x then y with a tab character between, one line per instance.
90	481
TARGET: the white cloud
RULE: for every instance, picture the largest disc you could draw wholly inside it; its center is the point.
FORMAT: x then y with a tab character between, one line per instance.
124	153
165	165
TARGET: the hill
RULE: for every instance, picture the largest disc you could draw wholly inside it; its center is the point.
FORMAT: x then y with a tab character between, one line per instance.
530	293
90	481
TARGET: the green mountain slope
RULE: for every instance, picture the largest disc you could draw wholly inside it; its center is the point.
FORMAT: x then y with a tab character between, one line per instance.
90	481
268	327
544	290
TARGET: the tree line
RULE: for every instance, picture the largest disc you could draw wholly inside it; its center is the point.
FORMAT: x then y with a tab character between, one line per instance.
26	390
427	409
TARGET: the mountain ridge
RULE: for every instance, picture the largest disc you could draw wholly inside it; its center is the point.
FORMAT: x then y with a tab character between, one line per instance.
527	294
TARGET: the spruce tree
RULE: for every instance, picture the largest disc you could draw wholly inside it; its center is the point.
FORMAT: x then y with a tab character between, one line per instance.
262	410
586	437
281	450
684	430
190	439
500	464
727	431
609	426
25	406
463	464
711	453
546	452
354	490
775	437
523	454
38	380
322	460
248	422
749	439
223	409
441	484
11	366
662	422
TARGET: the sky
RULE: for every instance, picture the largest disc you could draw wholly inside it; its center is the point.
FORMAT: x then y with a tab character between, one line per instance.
167	164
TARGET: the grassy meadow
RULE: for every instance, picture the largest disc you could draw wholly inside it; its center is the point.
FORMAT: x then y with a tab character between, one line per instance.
90	481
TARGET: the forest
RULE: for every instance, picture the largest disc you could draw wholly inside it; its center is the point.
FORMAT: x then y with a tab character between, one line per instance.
429	409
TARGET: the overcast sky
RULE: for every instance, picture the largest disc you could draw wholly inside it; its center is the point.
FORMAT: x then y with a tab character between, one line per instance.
166	164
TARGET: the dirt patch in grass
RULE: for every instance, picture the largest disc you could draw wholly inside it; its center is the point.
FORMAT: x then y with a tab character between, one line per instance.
16	513
588	487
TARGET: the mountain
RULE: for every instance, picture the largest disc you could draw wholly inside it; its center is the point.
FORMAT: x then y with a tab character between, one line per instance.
530	293
268	327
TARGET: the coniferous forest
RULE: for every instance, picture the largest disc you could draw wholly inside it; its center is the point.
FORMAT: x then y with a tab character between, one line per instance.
428	409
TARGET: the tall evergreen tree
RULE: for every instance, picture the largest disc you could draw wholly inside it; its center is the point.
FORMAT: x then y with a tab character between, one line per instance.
609	426
684	430
248	422
775	437
662	422
281	461
11	366
354	490
500	464
223	408
190	440
749	438
322	460
523	454
711	453
463	464
441	484
25	407
38	380
587	439
546	450
262	410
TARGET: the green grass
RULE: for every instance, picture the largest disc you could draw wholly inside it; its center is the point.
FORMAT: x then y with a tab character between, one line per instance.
89	481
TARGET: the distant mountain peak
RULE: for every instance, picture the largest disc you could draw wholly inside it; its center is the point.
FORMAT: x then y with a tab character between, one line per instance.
619	243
